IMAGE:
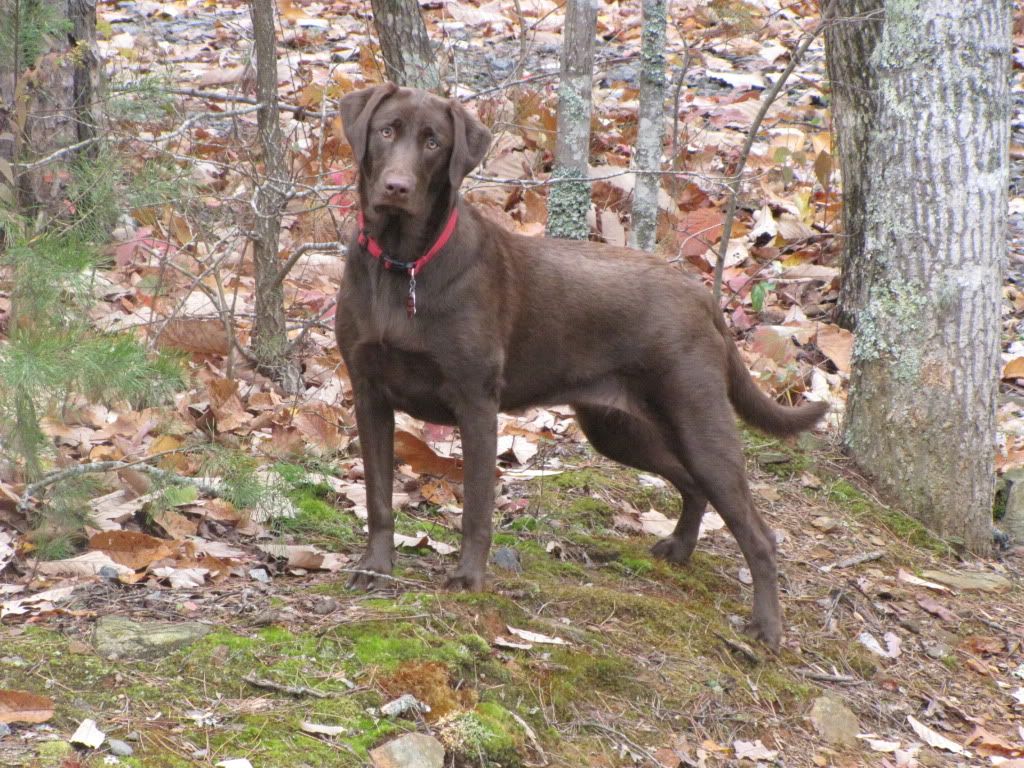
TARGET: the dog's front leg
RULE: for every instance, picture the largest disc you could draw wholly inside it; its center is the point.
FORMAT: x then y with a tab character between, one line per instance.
479	428
376	422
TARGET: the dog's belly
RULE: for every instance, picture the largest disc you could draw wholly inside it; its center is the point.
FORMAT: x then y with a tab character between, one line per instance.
411	381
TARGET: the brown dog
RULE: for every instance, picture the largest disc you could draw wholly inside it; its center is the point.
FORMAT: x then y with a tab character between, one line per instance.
450	318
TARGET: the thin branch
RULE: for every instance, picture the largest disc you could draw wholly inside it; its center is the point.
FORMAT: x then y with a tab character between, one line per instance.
201	484
734	181
301	251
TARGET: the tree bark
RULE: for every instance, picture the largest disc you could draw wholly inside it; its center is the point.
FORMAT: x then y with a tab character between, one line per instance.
270	341
405	44
569	201
854	27
651	128
49	84
921	413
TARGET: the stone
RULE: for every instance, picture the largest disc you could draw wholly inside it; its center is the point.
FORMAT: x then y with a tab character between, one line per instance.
825	524
834	721
118	637
5	730
1012	521
507	559
119	748
413	750
970	581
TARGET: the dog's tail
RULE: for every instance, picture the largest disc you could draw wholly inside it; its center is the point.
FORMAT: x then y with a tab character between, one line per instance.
754	406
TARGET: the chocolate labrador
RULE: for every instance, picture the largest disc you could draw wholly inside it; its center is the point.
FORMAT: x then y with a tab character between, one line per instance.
449	317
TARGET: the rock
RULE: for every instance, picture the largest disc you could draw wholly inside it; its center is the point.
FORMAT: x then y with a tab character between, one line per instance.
119	637
1013	518
980	582
413	750
324	606
834	721
5	730
825	524
507	559
119	748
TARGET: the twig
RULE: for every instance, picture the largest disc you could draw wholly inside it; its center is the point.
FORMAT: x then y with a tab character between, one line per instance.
742	649
849	562
301	251
825	677
22	167
386	576
291	690
736	178
112	466
230	97
625	740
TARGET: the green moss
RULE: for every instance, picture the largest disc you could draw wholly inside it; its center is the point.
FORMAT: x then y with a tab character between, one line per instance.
635	566
904	527
387	644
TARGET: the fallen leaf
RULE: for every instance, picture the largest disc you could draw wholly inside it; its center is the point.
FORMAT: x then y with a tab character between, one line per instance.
421	457
24	707
135	550
87	564
536	637
182	578
753	750
40	602
305	556
877	744
987	744
88	735
892	644
935	608
422	539
836	344
909	578
935	739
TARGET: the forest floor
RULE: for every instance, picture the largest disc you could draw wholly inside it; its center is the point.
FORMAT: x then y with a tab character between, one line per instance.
199	627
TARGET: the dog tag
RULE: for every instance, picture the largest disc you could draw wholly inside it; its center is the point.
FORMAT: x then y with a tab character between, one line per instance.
410	300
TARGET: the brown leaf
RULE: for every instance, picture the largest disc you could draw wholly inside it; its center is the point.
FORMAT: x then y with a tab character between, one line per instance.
836	344
135	550
1014	369
195	335
24	707
984	645
421	457
175	524
935	608
987	744
699	230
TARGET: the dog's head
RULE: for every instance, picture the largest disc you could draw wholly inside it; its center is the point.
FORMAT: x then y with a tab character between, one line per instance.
410	146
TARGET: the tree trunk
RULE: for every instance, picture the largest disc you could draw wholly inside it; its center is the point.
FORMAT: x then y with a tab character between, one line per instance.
270	340
651	126
921	414
405	44
854	27
569	201
49	82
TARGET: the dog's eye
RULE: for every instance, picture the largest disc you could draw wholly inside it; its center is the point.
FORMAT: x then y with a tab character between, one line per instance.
432	143
387	131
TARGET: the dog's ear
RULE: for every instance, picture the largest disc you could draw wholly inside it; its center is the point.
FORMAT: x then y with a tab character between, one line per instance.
471	139
356	109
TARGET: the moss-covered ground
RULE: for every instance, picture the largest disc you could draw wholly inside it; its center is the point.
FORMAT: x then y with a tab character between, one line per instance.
653	656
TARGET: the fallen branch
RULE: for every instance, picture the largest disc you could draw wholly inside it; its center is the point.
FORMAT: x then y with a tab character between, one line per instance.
291	690
865	557
211	489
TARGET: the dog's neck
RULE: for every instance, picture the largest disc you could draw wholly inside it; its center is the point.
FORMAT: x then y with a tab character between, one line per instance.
405	237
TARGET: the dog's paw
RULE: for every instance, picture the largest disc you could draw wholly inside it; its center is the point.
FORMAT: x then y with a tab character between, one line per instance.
367	573
674	550
466	579
768	632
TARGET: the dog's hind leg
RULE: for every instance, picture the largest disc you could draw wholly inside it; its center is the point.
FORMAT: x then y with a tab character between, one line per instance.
638	442
696	404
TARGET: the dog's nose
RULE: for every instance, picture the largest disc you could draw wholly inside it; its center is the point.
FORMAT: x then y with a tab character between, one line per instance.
399	186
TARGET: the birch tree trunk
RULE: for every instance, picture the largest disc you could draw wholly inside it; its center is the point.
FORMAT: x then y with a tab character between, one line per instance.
569	201
405	44
921	413
854	27
269	338
651	129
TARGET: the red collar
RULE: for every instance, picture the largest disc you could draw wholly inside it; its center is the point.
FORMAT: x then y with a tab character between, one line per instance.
410	267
